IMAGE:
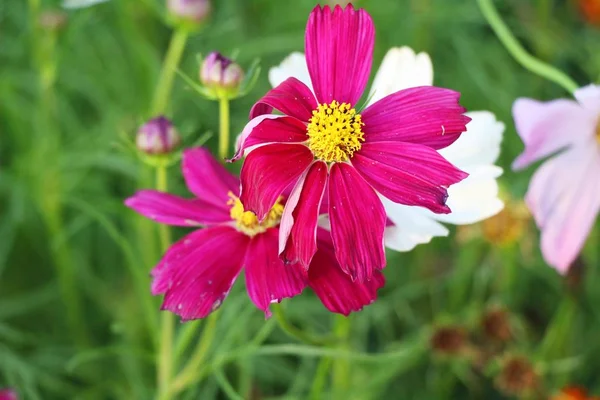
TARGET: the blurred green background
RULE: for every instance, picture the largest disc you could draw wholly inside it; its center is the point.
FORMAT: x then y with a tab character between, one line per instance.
73	259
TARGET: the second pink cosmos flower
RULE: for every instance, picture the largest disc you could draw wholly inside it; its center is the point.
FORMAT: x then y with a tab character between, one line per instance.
337	158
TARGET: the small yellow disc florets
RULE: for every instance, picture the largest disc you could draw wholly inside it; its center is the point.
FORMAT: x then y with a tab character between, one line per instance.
247	222
598	132
334	132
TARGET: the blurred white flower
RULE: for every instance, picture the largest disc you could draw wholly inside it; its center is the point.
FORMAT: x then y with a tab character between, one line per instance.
74	4
475	152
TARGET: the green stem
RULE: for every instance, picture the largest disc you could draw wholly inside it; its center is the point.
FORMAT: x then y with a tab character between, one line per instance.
167	320
341	367
559	330
294	332
167	74
223	128
184	338
320	380
519	53
188	374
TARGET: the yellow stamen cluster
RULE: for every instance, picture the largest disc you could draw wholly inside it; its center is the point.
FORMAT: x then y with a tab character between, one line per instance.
334	132
247	222
598	132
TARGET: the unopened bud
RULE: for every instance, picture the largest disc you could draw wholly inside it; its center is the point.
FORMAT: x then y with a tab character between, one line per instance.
496	325
190	11
157	136
221	74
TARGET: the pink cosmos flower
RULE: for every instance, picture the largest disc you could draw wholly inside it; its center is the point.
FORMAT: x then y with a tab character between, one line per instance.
8	394
197	272
564	193
388	149
475	152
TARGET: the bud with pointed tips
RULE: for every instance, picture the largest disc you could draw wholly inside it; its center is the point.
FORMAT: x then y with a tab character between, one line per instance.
157	136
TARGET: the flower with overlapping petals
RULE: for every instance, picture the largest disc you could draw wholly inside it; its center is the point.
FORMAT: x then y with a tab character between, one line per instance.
198	271
564	193
331	151
471	200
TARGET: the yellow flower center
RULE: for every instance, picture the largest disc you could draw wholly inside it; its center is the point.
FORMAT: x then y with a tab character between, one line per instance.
247	222
334	132
598	133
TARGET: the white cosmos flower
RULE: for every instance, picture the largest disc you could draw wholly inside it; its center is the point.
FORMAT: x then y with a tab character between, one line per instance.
475	152
73	4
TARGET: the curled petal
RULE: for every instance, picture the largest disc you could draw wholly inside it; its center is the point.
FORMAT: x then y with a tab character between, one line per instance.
334	288
291	97
268	171
196	274
339	52
408	173
298	232
207	178
357	223
547	127
268	279
268	129
173	210
425	115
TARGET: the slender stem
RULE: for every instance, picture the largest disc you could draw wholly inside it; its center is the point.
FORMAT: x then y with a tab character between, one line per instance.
341	367
294	332
167	74
519	53
223	128
320	380
188	374
184	338
167	320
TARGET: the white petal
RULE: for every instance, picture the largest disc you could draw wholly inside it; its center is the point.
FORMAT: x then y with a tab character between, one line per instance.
293	66
413	226
479	145
73	4
475	198
400	69
589	97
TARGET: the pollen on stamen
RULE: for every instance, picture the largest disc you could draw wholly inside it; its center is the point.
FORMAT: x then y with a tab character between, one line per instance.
247	222
335	132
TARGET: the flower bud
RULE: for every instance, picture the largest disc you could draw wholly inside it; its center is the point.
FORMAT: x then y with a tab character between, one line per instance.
496	325
157	136
221	74
190	11
518	377
449	340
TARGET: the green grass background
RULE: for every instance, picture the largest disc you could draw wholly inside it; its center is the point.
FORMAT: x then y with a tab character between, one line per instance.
69	102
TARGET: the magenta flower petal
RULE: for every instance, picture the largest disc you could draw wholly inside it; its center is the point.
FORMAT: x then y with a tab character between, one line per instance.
267	171
564	197
8	394
291	97
268	279
270	129
199	271
339	52
425	115
357	223
298	230
408	173
547	127
334	288
206	178
174	210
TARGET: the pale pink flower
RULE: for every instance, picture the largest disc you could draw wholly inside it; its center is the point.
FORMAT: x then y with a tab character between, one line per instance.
564	193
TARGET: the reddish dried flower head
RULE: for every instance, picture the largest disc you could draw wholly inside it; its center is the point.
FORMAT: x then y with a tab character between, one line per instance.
157	136
448	340
518	376
496	325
